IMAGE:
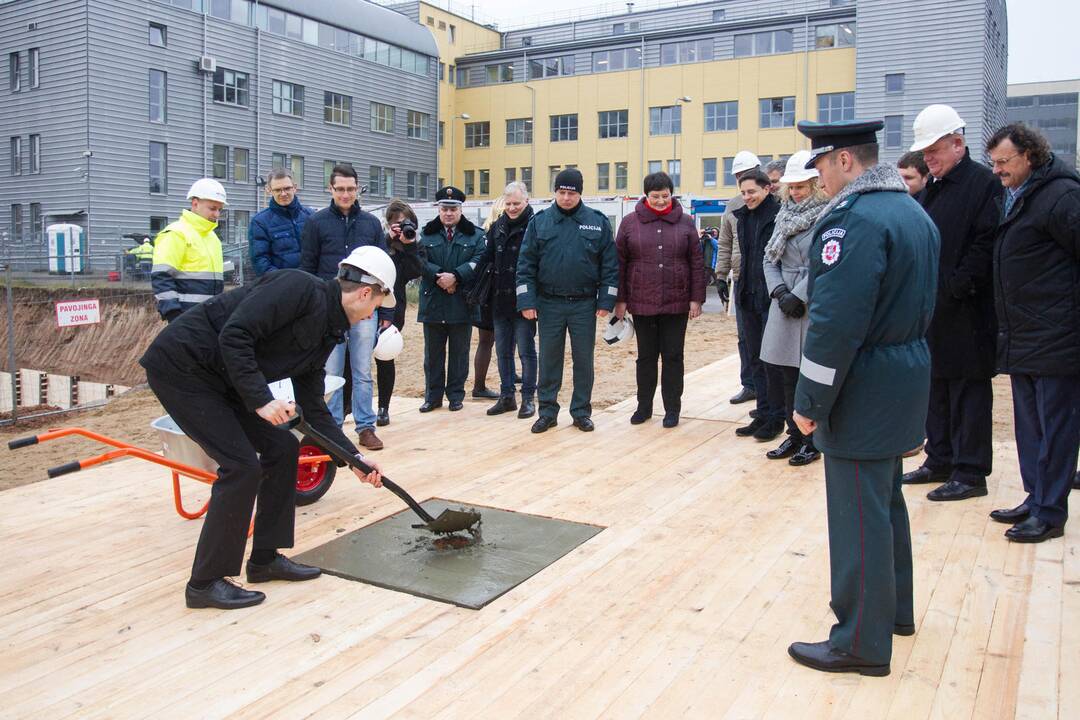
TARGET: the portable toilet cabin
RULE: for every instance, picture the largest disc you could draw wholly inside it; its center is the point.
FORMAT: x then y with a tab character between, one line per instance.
67	248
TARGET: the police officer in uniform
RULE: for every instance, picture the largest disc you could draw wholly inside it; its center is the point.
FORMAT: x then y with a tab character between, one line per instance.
567	276
864	383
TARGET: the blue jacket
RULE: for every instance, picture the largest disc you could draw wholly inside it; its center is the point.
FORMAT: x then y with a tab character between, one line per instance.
274	236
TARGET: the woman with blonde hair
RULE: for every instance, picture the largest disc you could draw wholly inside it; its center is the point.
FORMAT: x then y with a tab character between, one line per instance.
787	267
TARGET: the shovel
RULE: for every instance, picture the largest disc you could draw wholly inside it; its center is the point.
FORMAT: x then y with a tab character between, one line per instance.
449	521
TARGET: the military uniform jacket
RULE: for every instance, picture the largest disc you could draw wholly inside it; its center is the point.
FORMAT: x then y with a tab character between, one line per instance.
568	256
865	371
458	257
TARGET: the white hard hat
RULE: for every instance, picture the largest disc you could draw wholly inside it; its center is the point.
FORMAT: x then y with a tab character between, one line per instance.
744	160
618	331
207	189
795	170
371	265
934	123
389	344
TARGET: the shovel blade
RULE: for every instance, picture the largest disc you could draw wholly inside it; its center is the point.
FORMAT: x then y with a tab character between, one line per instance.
450	521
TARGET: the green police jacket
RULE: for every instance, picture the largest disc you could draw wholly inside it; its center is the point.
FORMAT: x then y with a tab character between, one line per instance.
458	257
568	256
865	371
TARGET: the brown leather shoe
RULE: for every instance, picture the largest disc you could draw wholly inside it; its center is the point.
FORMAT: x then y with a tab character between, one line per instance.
370	440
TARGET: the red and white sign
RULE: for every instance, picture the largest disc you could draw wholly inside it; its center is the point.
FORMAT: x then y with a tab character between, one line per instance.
70	313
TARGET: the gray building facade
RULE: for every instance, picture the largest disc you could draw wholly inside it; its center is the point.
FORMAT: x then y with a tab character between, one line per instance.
114	107
1053	108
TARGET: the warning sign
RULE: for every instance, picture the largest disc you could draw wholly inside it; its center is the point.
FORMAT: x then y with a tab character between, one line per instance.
70	313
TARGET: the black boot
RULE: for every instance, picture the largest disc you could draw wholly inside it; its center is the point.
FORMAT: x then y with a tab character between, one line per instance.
671	418
640	415
528	408
383	418
503	404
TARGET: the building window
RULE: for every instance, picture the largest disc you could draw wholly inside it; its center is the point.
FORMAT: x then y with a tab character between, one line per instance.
894	131
158	223
614	123
34	67
510	176
422	189
603	176
442	71
500	73
894	83
708	172
836	106
36	226
563	127
777	112
410	184
337	109
620	176
382	118
159	91
611	60
241	163
159	168
666	120
840	35
453	34
159	35
288	99
381	181
674	169
16	223
485	182
14	72
470	183
35	154
477	134
551	67
526	177
279	160
231	87
442	134
718	16
654	166
451	74
327	168
764	43
221	162
722	116
240	221
519	131
624	27
553	172
417	125
729	176
686	52
16	156
296	164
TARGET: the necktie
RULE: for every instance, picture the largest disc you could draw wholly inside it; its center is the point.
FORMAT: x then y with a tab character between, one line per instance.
449	234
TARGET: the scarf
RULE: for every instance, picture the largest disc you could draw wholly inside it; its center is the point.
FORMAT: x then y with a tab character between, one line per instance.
665	211
792	219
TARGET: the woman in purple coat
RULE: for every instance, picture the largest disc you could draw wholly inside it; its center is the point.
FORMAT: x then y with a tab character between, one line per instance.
661	284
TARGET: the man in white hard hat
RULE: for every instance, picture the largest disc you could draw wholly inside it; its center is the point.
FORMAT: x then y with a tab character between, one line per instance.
210	370
728	260
961	199
187	253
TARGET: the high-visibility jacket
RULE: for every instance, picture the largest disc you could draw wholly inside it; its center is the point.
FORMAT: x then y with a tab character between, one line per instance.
187	264
142	252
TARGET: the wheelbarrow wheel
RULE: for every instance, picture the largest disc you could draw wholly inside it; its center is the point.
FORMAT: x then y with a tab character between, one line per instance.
313	479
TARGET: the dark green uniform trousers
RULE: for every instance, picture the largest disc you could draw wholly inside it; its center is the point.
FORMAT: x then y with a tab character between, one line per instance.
555	318
870	555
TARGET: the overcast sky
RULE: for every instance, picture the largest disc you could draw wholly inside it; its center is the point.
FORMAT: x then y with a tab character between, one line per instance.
1044	35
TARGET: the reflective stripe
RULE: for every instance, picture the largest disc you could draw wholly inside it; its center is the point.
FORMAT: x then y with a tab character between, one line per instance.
818	373
208	275
613	291
192	298
162	268
522	289
167	295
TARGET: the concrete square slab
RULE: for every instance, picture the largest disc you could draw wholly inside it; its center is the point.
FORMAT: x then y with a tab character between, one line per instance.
512	547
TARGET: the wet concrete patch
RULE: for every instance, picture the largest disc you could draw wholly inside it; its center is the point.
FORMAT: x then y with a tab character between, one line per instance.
459	569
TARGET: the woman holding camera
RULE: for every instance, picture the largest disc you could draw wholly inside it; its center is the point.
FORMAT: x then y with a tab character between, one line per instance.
405	252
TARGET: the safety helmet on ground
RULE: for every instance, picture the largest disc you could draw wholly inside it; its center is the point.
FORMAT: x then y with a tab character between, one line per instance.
934	123
207	189
618	331
371	265
389	344
795	170
744	160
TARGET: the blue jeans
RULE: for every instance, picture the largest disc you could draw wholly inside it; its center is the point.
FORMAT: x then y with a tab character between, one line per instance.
361	346
519	332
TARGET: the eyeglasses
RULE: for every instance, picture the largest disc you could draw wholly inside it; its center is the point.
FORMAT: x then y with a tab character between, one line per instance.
284	190
1002	162
345	190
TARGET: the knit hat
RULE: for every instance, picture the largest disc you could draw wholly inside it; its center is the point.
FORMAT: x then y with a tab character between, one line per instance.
569	179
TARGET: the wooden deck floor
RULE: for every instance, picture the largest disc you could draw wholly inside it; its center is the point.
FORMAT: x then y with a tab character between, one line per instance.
713	560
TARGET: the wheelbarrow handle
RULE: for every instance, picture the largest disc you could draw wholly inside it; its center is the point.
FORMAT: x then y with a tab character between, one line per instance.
22	442
64	469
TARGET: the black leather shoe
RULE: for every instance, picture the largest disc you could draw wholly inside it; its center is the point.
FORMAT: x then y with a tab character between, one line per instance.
383	418
905	630
281	568
502	405
743	395
806	455
769	431
1076	480
223	595
455	405
956	490
428	406
1012	516
786	449
485	394
754	414
923	475
584	424
748	430
824	657
640	416
544	424
671	419
528	408
1033	530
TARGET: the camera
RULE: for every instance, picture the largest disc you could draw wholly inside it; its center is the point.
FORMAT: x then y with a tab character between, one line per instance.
408	229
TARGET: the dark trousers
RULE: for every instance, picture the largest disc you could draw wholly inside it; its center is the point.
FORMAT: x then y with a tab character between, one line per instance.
443	374
511	332
753	331
1046	413
660	338
385	377
869	555
746	370
782	380
256	460
959	428
555	318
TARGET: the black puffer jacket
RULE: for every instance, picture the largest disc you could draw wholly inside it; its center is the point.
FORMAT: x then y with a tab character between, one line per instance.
1037	276
503	245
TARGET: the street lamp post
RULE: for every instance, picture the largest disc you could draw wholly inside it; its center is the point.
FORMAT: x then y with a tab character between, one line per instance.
675	135
453	140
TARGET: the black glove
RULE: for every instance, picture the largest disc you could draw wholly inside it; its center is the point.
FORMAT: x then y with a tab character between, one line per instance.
779	291
722	290
172	315
791	305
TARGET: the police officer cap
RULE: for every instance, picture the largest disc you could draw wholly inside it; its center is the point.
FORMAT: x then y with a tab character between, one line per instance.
826	137
449	195
569	179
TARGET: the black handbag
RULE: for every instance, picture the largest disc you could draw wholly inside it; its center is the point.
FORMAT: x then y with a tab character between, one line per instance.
479	292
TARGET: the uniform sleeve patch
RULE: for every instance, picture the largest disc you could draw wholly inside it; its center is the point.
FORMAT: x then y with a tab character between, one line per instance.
522	289
834	233
613	291
830	251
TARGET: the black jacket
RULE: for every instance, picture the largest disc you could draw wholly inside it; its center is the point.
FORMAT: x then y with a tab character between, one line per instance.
329	236
503	245
752	292
963	206
409	264
1037	276
283	325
